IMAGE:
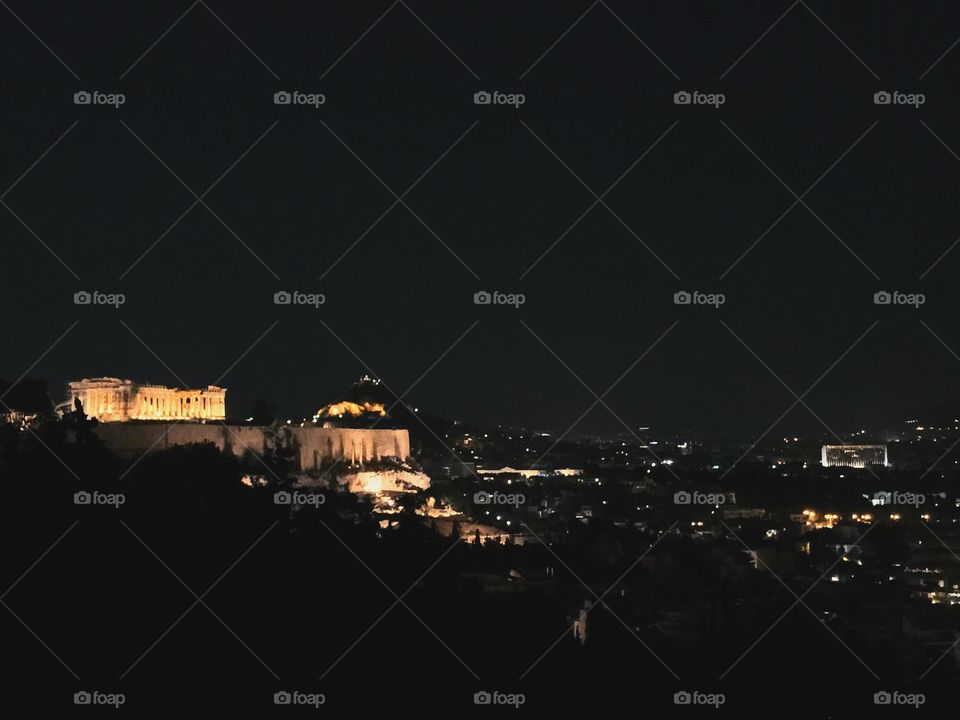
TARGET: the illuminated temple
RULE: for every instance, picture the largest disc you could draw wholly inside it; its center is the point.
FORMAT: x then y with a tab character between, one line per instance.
115	400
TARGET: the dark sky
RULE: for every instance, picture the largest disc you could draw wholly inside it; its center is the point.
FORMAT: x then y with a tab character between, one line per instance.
400	98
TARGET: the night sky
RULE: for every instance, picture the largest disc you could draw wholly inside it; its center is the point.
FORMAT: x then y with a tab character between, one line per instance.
297	194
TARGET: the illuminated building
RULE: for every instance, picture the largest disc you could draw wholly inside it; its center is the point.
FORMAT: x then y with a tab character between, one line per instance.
115	400
855	456
530	473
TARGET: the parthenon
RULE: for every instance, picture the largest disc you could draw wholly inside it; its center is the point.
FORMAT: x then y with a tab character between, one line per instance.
116	400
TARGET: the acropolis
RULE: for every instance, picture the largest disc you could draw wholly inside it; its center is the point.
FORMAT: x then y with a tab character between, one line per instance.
177	417
111	399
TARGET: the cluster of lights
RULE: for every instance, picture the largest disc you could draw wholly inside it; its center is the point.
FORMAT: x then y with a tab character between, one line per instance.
352	409
813	519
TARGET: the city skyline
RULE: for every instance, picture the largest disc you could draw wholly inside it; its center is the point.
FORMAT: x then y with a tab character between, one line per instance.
421	355
940	416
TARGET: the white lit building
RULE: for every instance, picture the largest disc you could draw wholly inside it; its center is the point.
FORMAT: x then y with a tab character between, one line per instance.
855	456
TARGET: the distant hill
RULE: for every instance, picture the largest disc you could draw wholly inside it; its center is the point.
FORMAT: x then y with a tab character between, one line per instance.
365	403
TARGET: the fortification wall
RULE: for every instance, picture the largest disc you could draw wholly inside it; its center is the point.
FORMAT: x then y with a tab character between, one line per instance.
316	445
353	446
135	439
